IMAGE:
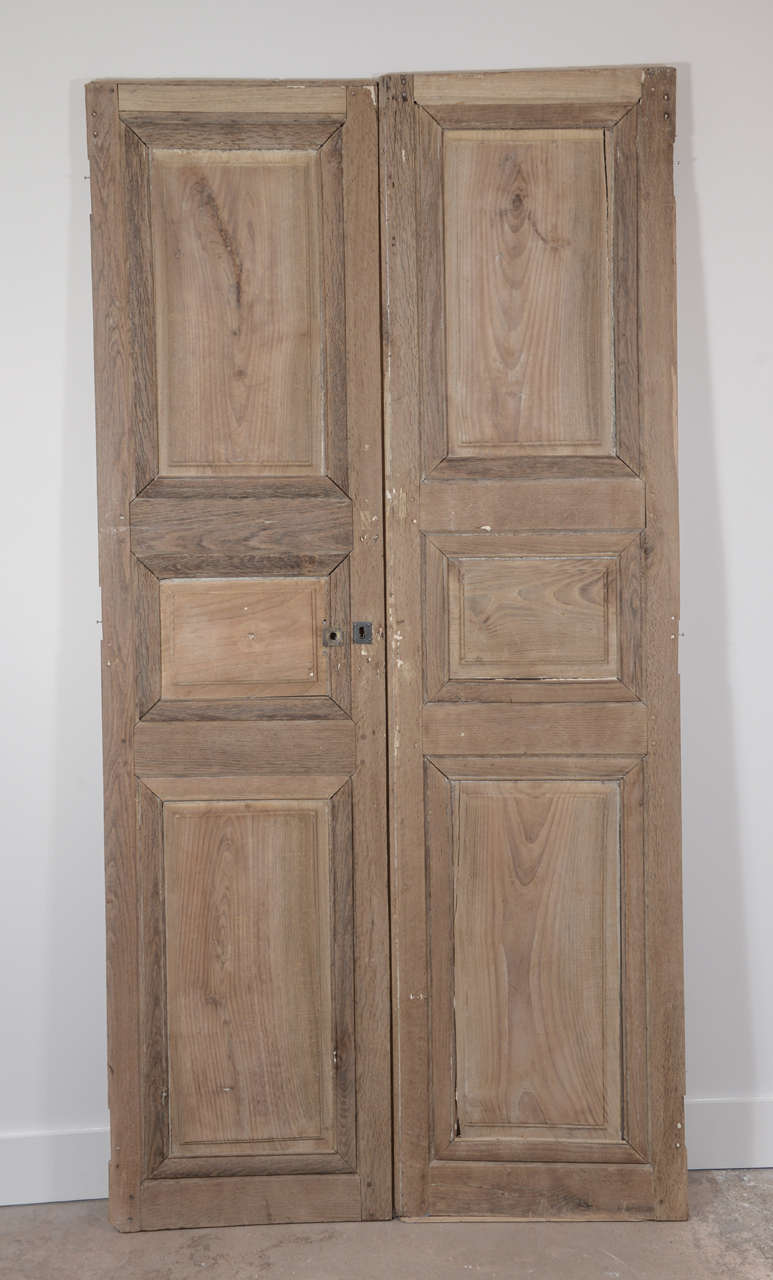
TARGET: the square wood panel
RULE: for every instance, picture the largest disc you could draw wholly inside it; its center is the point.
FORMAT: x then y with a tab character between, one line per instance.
533	616
243	638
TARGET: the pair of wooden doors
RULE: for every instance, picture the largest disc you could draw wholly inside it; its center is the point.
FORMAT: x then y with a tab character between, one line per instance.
389	427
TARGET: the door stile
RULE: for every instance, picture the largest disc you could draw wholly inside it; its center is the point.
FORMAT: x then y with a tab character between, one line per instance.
115	489
662	791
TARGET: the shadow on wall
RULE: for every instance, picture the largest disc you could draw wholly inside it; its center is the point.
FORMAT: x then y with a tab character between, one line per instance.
75	1017
719	1016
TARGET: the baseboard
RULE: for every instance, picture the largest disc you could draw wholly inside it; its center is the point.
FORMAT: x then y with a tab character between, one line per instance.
64	1165
729	1133
722	1133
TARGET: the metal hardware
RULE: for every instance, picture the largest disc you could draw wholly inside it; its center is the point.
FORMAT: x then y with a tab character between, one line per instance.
332	636
362	633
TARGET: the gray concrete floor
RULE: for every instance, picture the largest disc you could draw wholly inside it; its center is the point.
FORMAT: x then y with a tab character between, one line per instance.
729	1235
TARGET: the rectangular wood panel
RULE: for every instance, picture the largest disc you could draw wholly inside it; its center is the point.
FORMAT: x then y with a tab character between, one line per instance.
536	958
542	618
527	293
236	245
242	639
249	961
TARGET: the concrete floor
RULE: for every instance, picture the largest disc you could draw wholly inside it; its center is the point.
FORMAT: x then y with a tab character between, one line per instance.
729	1235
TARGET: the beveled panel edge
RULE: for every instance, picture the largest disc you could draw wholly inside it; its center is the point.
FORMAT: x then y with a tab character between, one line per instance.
258	787
221	131
528	115
522	768
250	1165
541	1150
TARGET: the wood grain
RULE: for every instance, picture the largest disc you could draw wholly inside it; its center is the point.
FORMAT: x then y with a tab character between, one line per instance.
233	96
192	710
539	86
622	170
657	406
536	959
244	638
153	995
261	787
368	675
231	1202
199	529
224	131
500	506
591	729
115	489
549	1192
249	747
533	617
237	270
141	314
402	473
527	293
528	115
249	963
335	352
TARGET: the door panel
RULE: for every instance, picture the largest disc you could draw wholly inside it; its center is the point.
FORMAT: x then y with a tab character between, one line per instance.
527	292
236	264
532	605
238	406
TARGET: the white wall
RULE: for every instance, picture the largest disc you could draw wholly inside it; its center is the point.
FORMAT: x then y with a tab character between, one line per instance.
52	1062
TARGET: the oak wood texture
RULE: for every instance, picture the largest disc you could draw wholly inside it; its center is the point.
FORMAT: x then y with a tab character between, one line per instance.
486	901
515	635
530	662
233	97
223	131
236	266
115	488
214	528
536	1032
249	963
236	249
532	617
243	638
527	292
540	87
660	669
500	506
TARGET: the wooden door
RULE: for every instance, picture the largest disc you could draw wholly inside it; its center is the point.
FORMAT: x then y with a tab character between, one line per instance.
528	281
236	289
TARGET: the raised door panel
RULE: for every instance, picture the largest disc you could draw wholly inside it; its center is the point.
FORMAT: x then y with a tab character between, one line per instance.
237	328
527	288
244	638
249	968
531	581
238	302
539	617
536	962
